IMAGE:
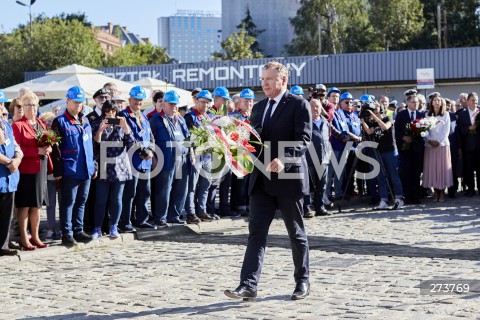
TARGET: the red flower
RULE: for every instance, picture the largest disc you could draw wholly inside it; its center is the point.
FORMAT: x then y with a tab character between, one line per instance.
234	136
248	146
246	121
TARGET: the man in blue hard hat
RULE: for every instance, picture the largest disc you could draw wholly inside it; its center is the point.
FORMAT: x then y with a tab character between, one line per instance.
139	187
198	185
220	96
333	96
297	90
170	130
348	124
74	165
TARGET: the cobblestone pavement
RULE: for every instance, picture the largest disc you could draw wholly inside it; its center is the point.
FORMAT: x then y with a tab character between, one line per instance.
364	264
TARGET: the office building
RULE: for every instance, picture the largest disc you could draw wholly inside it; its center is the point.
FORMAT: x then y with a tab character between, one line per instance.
271	15
190	36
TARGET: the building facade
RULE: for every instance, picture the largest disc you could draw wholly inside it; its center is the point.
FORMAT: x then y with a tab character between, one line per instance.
190	36
378	73
271	15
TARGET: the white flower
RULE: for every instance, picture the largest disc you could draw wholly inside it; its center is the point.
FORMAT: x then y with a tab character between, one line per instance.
422	121
222	121
423	134
417	125
243	133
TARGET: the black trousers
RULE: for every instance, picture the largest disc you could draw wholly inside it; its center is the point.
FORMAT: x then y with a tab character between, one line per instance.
411	167
262	211
6	209
471	164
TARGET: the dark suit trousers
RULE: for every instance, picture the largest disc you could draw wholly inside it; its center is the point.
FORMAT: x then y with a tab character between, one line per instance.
6	209
411	167
262	212
471	163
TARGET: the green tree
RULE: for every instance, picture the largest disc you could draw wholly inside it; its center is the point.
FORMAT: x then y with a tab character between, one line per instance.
55	43
395	23
248	25
237	46
139	54
343	24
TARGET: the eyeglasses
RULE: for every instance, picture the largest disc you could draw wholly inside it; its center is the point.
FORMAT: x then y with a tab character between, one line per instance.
102	97
347	101
29	105
18	106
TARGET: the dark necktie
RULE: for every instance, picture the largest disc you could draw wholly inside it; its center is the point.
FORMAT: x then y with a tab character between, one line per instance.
411	116
269	113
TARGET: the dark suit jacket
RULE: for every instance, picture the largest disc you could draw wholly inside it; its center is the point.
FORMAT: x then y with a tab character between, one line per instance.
469	142
26	138
401	120
291	121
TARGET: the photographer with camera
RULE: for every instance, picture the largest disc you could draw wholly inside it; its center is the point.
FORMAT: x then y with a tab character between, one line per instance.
378	127
319	93
113	176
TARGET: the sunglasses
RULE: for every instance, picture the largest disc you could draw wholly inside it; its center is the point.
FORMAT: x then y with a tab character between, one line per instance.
5	114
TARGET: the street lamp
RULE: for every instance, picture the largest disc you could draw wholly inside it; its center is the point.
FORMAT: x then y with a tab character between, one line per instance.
30	13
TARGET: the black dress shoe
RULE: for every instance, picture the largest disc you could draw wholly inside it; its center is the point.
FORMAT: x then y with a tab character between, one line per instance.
242	292
302	290
68	240
82	237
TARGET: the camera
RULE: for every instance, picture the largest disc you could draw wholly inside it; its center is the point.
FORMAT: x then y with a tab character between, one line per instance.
364	108
113	121
316	92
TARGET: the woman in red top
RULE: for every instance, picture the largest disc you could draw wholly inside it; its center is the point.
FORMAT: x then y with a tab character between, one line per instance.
32	188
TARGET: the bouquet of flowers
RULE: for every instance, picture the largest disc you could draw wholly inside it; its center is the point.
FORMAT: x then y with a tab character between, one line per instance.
418	129
228	140
48	138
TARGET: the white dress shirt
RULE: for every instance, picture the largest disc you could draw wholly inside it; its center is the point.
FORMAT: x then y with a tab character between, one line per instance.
440	131
277	101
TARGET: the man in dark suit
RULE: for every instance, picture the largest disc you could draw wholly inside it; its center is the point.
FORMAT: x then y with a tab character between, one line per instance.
281	117
411	157
470	142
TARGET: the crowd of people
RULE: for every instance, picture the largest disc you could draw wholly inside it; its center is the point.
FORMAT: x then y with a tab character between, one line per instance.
114	159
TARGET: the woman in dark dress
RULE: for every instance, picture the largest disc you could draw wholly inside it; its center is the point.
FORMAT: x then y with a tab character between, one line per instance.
32	188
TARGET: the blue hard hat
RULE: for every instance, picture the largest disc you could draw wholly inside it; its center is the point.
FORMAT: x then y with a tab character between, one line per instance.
76	94
296	90
221	92
2	96
366	98
171	97
138	92
333	89
247	94
345	96
205	94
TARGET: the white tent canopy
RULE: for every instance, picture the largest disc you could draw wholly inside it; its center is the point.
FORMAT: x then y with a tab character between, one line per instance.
54	84
151	84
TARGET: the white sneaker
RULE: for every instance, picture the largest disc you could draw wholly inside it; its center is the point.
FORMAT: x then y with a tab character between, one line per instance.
326	201
400	203
381	205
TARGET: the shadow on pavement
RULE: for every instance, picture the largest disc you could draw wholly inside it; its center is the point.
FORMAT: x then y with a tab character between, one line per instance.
196	310
328	244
